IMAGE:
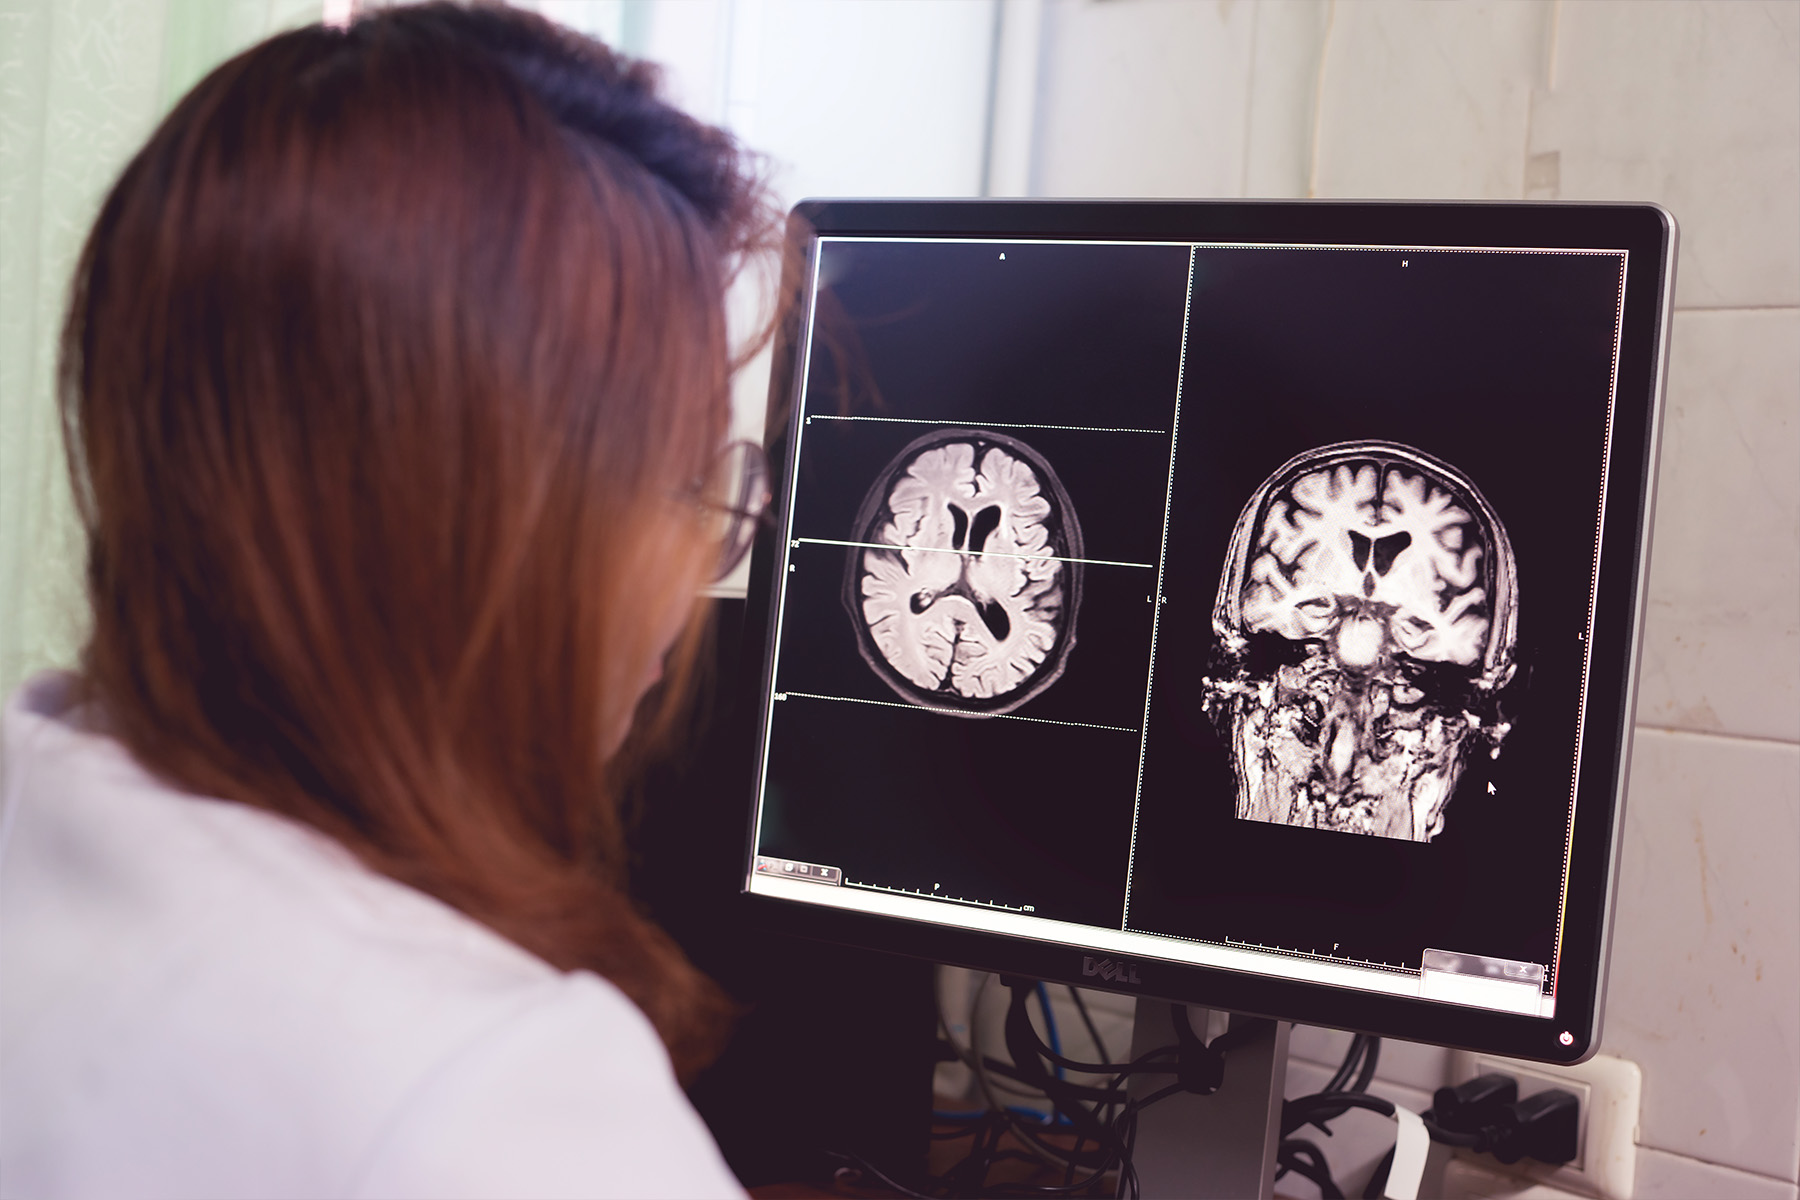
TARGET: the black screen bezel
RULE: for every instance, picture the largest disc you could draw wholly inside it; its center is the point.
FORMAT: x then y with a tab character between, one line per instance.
1647	233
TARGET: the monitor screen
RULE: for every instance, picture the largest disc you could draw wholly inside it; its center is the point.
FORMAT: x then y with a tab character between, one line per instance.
1234	603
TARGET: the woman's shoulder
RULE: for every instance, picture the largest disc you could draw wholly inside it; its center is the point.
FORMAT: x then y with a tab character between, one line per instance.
96	851
204	998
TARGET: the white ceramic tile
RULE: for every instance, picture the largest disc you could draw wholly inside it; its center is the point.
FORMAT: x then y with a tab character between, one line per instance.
1284	72
1663	1176
882	97
1722	632
690	41
1142	99
1428	100
1696	105
1659	1176
1413	1065
1318	1045
1704	992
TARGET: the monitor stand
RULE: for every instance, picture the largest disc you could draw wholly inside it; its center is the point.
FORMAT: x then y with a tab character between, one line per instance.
1222	1145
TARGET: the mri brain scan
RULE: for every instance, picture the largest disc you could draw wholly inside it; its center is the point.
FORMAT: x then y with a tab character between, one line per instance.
963	588
1366	619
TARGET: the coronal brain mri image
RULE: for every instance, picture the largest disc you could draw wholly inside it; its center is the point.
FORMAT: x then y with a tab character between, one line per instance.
964	584
1366	620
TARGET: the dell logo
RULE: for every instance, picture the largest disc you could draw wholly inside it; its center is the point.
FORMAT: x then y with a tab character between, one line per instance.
1107	969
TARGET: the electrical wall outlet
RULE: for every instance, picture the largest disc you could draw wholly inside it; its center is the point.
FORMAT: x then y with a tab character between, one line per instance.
1609	1089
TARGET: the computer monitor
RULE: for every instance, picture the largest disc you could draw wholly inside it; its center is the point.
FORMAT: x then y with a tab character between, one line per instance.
1232	603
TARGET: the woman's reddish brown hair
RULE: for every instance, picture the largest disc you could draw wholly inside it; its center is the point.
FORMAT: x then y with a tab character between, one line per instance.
395	363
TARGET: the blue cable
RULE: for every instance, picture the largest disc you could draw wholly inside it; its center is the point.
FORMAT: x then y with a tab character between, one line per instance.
1044	1118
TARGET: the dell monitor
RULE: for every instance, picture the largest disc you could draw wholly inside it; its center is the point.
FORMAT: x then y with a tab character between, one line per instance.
1230	603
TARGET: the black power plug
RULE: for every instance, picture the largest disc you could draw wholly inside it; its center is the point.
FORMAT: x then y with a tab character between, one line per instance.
1485	1114
1474	1104
1543	1126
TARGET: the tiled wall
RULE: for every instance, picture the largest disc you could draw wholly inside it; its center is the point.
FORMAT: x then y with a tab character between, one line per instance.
1691	103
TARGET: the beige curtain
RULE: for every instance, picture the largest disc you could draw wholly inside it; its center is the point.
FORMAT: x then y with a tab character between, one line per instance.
82	82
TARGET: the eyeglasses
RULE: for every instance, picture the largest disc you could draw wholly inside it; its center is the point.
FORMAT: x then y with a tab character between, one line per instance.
743	471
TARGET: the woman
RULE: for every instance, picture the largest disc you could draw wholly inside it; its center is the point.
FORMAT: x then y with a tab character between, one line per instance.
395	379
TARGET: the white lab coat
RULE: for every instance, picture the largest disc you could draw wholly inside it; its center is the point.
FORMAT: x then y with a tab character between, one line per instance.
200	999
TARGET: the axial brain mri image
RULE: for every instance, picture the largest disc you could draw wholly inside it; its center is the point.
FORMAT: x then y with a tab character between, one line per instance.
965	585
1366	619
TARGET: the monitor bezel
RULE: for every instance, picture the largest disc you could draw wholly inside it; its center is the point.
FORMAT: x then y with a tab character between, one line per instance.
1648	234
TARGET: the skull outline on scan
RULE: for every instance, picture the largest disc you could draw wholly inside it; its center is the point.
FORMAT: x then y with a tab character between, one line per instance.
1365	623
964	582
